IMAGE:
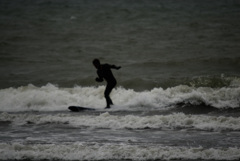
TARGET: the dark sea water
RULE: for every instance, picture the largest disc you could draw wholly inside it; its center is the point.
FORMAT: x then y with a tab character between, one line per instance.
178	91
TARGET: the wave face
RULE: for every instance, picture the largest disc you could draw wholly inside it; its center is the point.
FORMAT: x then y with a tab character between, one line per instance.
53	98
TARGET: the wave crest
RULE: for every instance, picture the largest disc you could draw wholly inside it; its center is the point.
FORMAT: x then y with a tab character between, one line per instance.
53	98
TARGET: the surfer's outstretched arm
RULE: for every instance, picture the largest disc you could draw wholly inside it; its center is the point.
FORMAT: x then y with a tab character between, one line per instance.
115	67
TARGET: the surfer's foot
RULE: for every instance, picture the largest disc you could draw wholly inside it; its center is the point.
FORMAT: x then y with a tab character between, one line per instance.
108	106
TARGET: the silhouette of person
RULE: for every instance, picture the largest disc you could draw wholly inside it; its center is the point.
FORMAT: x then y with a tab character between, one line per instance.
104	73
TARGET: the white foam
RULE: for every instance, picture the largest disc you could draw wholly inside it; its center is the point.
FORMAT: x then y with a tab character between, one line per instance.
49	98
53	98
106	120
96	151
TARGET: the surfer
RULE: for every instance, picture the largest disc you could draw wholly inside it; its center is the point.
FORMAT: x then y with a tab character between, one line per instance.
104	73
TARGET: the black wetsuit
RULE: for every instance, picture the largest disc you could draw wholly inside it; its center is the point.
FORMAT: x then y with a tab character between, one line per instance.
105	73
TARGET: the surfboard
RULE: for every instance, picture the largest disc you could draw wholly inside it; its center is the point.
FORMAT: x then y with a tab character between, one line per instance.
79	108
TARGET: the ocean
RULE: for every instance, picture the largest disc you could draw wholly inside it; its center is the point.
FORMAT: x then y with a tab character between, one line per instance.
178	91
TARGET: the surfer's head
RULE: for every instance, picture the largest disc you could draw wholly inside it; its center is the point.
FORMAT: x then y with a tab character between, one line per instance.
96	63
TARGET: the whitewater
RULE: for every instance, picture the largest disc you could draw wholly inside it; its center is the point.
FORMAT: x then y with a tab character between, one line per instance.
177	95
180	123
54	98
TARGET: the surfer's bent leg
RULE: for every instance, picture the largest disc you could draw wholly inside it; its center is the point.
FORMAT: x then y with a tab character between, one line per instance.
107	93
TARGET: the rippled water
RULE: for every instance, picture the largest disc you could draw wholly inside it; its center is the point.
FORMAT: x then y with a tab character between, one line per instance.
178	92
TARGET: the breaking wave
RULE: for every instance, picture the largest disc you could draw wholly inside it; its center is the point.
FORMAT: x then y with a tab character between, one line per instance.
53	98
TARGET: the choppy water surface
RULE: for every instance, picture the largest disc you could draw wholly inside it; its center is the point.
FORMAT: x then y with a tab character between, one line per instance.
178	92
